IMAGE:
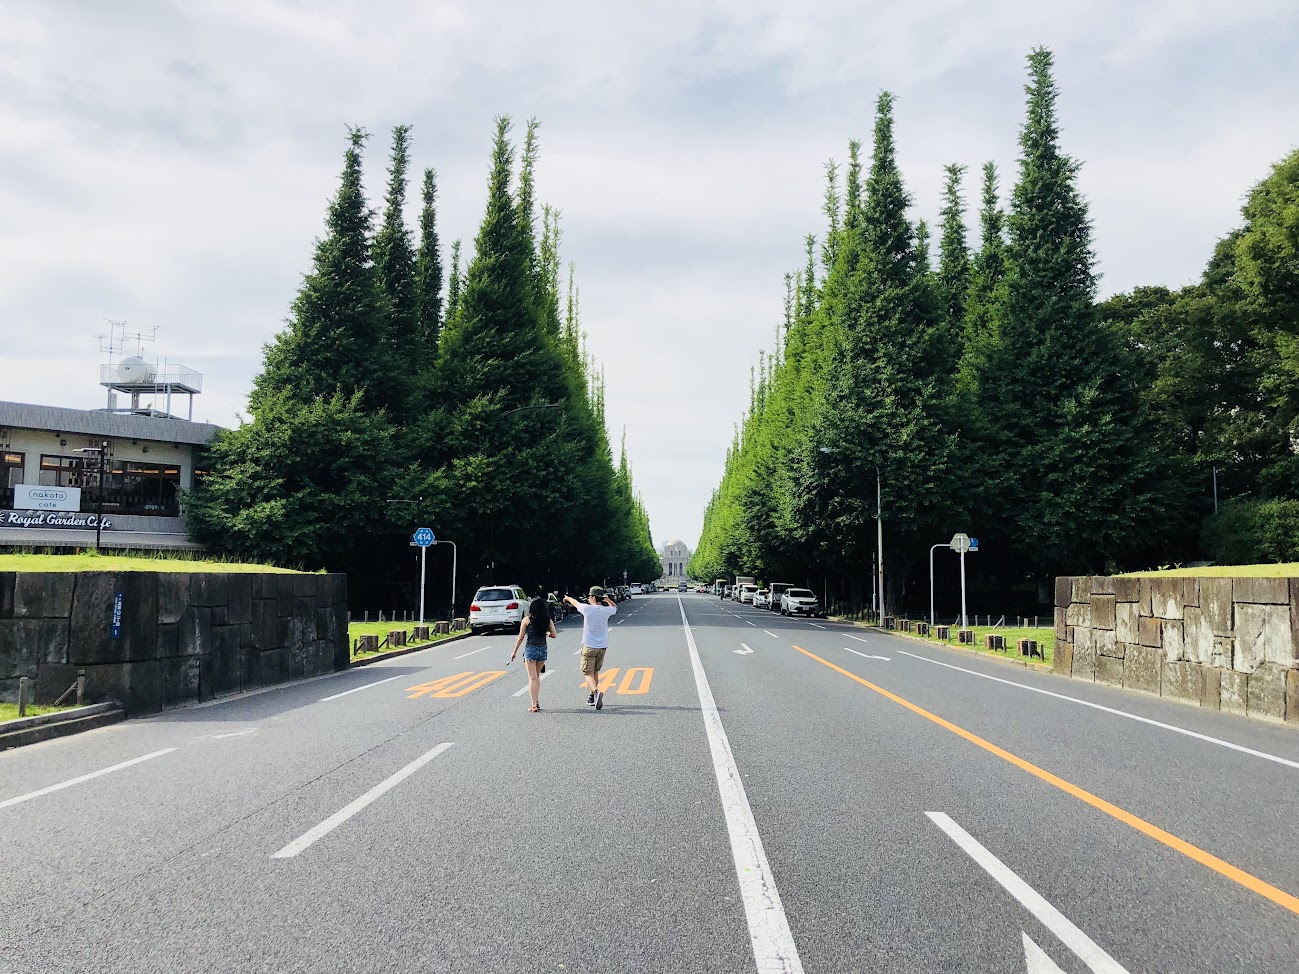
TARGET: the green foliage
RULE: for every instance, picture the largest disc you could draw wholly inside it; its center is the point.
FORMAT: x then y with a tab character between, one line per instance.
504	449
1248	532
337	339
428	270
297	484
995	395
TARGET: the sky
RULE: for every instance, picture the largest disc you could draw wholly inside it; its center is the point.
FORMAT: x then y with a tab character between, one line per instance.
169	164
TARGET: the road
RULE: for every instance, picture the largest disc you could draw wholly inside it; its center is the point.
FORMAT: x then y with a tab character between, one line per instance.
759	794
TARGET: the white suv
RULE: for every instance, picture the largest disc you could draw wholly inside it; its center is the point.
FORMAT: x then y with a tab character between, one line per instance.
799	601
498	605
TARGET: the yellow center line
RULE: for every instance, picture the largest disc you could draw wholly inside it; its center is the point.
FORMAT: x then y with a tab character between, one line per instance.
1248	880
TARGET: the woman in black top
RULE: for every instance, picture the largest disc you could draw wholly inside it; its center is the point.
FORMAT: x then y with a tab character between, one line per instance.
534	629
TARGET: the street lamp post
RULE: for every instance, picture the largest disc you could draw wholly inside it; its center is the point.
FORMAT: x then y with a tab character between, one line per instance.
102	451
932	549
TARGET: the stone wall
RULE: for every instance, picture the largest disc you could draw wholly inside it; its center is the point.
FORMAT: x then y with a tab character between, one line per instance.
180	637
1224	643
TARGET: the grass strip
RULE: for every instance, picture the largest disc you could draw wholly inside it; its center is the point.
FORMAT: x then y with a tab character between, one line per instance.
90	561
9	711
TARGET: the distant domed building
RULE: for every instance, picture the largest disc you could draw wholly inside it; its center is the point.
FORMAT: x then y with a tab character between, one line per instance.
675	557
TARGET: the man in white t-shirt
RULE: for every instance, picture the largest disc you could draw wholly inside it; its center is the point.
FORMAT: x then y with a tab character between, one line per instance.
595	639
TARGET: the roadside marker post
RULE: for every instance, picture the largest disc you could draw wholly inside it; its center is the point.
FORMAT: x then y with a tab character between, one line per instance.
960	543
424	538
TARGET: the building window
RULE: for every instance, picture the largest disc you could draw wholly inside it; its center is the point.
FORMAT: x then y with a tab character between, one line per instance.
129	487
11	475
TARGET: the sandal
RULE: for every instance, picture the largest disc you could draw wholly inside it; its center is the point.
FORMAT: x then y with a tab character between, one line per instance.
533	710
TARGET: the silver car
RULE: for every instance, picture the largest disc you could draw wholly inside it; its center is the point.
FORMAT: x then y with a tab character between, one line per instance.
498	606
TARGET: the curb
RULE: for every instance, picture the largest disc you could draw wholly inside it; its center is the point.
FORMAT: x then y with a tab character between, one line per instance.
1004	660
30	730
409	649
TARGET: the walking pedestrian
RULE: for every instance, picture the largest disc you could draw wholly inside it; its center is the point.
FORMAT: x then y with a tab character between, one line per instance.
535	628
595	639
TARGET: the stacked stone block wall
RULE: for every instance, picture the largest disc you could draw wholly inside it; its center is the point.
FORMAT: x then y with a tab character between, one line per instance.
180	637
1224	643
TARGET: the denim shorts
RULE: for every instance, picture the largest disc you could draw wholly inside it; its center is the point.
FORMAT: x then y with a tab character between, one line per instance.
537	653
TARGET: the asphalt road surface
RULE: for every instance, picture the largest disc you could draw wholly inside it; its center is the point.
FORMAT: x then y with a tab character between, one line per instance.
758	794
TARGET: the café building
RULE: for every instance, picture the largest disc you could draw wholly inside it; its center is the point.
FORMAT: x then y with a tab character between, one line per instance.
62	469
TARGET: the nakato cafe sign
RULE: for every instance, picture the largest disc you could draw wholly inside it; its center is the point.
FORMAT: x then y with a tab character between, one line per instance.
50	519
33	497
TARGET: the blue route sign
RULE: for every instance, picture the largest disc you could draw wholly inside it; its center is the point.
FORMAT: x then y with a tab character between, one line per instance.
423	537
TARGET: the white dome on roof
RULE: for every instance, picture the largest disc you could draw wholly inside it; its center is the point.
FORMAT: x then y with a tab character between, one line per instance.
675	541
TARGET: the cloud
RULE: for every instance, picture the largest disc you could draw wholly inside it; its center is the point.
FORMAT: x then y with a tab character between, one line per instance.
169	163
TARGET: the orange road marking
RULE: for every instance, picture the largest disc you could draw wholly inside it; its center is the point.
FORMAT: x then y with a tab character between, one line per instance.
606	679
436	685
455	686
1237	875
475	683
646	675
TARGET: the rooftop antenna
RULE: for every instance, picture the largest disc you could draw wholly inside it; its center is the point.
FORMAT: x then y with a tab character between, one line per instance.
123	333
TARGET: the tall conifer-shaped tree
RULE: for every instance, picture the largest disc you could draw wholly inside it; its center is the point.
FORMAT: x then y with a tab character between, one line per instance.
880	416
988	269
428	269
337	335
455	283
296	484
394	257
1072	488
954	262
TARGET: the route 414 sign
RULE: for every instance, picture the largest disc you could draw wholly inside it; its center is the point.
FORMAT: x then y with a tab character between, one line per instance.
423	537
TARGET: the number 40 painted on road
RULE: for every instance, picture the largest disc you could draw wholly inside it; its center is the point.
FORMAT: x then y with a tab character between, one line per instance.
627	688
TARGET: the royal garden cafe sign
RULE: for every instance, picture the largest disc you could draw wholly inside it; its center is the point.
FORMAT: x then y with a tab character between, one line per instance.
50	519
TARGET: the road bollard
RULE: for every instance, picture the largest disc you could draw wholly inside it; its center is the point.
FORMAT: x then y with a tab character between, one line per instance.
22	696
81	687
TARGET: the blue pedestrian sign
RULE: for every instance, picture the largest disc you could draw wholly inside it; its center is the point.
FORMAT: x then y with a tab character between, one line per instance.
974	544
423	537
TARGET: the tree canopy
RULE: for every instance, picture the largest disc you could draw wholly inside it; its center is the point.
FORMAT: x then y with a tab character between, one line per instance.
993	394
385	404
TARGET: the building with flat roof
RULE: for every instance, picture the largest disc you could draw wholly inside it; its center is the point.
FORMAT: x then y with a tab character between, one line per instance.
60	467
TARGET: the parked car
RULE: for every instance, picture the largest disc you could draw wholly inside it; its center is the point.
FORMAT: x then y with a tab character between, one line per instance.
746	593
637	589
498	606
799	602
777	590
762	599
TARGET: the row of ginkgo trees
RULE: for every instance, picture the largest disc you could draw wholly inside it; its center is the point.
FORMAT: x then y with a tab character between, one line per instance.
394	398
989	392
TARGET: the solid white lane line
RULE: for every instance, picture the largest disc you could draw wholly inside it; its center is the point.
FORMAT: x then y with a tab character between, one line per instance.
771	634
1055	921
1118	713
858	638
773	944
338	818
85	777
367	686
242	733
864	655
524	689
471	652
